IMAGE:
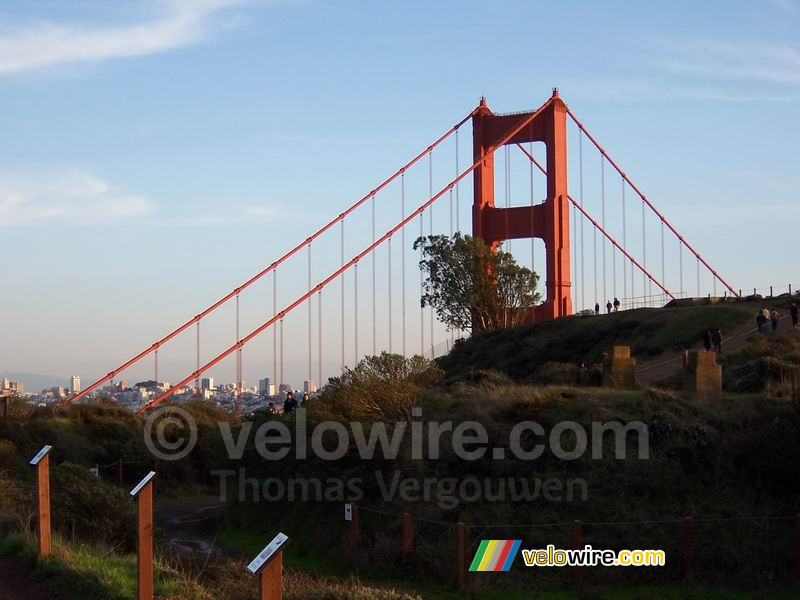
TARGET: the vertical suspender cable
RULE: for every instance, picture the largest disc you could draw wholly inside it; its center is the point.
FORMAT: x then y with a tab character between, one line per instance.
580	180
156	361
281	349
319	336
624	245
430	227
310	377
458	210
274	329
680	263
574	229
533	200
421	310
389	275
663	263
355	314
197	378
238	363
342	280
374	305
645	287
698	277
403	258
507	166
603	221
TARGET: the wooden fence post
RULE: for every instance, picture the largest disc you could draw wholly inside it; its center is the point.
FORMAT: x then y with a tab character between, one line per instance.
354	525
268	567
687	547
143	493
42	463
797	545
408	536
461	545
577	544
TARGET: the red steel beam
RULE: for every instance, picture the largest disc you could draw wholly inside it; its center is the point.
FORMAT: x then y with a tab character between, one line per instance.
600	228
650	204
413	215
273	266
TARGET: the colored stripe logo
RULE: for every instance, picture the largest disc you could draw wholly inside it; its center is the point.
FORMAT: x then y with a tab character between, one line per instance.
495	555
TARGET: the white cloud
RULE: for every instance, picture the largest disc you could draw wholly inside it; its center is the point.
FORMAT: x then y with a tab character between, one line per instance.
68	197
756	61
172	24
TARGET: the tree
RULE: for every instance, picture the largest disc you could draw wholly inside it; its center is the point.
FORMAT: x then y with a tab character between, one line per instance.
470	286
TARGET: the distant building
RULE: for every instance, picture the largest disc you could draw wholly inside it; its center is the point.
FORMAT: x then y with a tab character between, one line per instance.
11	387
207	383
284	387
75	384
309	387
266	387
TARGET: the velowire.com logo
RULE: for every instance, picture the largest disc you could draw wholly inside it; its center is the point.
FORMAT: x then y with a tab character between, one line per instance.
495	555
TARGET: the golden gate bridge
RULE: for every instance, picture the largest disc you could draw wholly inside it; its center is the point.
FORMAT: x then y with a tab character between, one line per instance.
615	265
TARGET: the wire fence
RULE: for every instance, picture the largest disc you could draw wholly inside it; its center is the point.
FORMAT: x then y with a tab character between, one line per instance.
714	549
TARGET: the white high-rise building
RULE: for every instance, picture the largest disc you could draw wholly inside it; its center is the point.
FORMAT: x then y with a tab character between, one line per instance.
207	383
75	384
309	387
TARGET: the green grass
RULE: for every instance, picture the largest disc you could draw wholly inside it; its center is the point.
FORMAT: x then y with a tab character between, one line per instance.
520	351
91	573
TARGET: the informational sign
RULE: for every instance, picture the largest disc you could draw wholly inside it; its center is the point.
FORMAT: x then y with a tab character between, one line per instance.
143	483
94	471
268	553
40	455
348	512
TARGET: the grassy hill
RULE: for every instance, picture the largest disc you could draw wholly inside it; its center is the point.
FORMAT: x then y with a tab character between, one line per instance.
521	353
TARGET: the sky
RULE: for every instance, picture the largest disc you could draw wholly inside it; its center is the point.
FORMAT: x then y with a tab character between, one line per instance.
154	155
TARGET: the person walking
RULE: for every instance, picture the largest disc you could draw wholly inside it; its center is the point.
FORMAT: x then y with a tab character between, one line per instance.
716	339
616	304
596	308
707	340
761	320
774	317
608	307
290	404
794	312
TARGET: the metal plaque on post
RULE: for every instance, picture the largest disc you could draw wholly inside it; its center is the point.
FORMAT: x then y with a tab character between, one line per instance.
42	463
268	565
143	492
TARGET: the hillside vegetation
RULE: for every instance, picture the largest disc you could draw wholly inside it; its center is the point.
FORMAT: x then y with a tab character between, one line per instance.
521	353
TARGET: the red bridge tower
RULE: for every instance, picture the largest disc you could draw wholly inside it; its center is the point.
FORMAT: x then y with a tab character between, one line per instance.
548	221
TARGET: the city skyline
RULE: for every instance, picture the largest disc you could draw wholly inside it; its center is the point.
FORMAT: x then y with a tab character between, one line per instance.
212	168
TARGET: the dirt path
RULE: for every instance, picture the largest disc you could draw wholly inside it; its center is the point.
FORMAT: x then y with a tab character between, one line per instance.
663	367
17	582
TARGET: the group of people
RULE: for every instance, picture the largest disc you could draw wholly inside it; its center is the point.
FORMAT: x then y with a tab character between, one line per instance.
609	306
765	316
289	404
713	339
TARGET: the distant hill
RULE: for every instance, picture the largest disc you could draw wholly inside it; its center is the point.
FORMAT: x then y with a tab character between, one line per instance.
35	382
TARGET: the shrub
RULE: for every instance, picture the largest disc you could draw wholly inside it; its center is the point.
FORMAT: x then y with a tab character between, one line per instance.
382	387
89	510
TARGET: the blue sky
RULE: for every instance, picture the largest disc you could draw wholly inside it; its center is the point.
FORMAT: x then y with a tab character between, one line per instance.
156	154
